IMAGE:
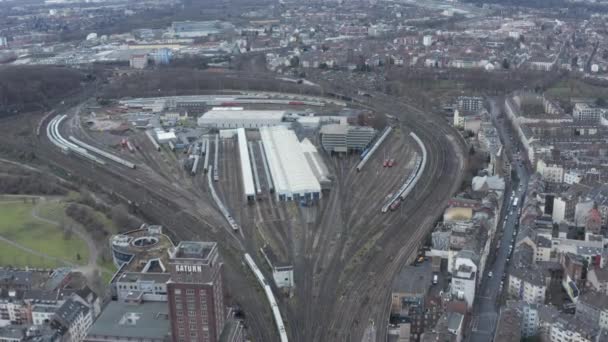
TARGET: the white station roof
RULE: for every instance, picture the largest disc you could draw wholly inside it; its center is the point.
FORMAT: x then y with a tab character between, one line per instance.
290	170
245	163
240	114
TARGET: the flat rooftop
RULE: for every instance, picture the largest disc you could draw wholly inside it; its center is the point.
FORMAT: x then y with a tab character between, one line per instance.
291	172
193	250
232	114
149	320
414	279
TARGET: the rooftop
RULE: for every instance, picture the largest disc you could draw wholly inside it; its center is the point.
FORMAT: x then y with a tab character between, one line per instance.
148	247
193	250
129	320
509	326
69	312
291	172
414	280
224	114
595	299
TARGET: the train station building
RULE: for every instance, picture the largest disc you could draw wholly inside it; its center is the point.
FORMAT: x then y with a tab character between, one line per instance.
237	117
293	177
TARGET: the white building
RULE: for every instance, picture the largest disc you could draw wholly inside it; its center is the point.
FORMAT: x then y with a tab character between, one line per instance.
240	118
138	61
550	172
559	210
282	272
292	175
458	120
573	177
464	278
13	311
586	112
527	285
75	318
427	40
570	329
43	314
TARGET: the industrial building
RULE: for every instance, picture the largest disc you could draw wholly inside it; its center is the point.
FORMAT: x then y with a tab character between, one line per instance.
237	117
345	138
246	171
316	163
292	175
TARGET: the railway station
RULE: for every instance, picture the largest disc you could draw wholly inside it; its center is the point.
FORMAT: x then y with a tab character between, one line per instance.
237	117
292	175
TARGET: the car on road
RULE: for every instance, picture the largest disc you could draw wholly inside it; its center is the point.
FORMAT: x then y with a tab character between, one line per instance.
490	274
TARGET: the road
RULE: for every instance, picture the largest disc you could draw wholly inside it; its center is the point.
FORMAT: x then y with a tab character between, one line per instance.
485	308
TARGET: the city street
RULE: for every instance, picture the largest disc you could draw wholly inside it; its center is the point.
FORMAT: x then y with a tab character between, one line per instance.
485	309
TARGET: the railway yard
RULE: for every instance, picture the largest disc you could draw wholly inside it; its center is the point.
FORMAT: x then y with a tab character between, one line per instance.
343	247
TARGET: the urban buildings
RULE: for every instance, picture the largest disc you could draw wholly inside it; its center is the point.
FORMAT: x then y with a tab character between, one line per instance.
165	290
45	306
73	319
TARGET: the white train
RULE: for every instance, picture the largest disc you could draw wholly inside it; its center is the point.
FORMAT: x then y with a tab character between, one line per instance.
270	296
103	153
411	180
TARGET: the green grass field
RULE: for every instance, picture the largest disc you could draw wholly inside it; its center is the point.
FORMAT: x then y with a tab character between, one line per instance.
18	224
15	257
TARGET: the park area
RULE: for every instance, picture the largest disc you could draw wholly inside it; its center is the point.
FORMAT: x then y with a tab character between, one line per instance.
35	232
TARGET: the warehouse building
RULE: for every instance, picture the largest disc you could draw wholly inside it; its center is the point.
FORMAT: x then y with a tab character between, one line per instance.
316	163
292	174
345	138
237	117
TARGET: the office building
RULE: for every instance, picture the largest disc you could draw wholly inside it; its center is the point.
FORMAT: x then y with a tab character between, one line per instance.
345	138
195	292
586	112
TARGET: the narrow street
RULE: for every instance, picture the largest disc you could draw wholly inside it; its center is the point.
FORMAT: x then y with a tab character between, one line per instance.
485	309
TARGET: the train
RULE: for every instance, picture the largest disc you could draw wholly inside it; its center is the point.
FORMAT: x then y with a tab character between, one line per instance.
52	131
235	226
216	173
195	165
374	147
103	153
412	179
270	296
206	162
